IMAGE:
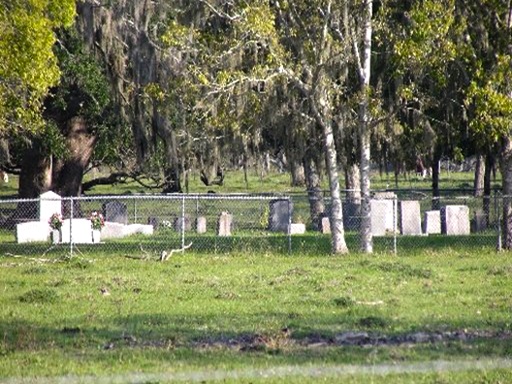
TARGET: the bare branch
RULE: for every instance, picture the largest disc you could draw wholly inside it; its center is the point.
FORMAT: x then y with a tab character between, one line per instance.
164	255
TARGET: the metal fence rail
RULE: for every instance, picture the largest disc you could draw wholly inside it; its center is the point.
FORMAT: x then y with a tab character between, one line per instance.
155	225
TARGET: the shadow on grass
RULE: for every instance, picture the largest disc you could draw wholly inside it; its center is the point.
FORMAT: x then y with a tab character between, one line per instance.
296	340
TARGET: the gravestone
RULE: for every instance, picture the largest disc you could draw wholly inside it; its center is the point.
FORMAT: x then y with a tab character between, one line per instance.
351	216
455	220
224	224
326	225
182	223
280	213
297	228
432	222
49	203
410	218
78	230
115	211
32	231
152	220
201	224
381	217
479	221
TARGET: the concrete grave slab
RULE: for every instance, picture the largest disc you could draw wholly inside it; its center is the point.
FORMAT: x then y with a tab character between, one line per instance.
132	229
32	231
112	230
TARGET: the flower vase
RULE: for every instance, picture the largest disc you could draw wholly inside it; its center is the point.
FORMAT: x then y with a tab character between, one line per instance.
55	235
96	236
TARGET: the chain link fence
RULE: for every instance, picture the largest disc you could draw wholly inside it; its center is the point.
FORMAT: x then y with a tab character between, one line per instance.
156	226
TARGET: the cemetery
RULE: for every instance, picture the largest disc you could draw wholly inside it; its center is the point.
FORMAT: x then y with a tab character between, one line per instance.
224	219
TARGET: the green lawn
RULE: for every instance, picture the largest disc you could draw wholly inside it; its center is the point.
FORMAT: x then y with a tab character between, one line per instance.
235	182
244	317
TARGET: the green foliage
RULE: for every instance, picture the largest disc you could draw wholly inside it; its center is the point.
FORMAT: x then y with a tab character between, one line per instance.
423	39
28	66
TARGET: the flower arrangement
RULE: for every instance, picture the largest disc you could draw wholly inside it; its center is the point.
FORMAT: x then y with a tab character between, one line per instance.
166	224
97	220
55	221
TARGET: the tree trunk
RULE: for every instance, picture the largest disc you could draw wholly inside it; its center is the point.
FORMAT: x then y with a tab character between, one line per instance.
478	185
365	70
489	164
436	204
36	172
353	183
68	173
315	196
336	216
506	170
297	172
172	181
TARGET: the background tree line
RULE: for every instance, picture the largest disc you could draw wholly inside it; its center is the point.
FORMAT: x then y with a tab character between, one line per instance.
154	90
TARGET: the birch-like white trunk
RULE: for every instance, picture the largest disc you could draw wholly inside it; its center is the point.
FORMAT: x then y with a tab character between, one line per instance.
336	217
365	70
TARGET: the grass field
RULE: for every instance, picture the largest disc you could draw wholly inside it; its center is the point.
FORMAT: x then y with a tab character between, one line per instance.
247	311
433	317
235	182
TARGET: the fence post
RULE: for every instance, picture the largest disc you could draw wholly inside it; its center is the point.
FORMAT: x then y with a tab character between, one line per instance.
71	215
395	220
289	226
499	246
183	223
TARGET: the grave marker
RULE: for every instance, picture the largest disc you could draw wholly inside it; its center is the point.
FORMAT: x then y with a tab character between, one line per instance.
115	211
432	222
410	218
32	231
455	220
224	224
201	224
281	211
49	203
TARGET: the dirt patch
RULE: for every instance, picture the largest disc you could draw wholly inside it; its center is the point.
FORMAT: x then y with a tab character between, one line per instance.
285	339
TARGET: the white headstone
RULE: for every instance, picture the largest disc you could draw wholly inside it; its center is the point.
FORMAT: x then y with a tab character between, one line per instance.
326	225
32	231
432	222
455	220
410	218
49	203
224	224
201	224
78	230
297	229
381	217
